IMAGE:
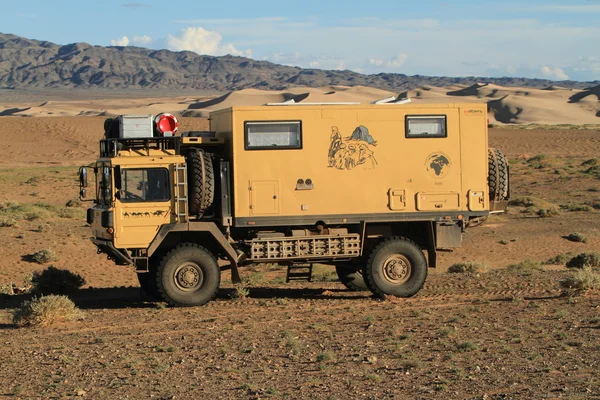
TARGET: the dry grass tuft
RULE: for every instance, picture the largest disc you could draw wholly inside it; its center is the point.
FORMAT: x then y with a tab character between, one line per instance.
581	281
44	256
526	267
46	310
56	281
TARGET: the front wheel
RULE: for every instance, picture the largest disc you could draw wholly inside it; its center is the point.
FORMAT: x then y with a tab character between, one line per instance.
396	267
188	276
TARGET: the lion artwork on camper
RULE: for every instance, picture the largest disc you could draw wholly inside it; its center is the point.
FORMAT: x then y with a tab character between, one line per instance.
352	151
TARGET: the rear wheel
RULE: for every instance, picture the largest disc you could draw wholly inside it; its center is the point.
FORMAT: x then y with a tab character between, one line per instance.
396	267
188	276
351	276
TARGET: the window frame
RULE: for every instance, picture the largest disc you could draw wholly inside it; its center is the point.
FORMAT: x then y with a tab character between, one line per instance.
273	122
129	201
424	116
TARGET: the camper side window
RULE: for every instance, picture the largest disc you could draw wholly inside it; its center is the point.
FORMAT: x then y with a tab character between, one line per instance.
270	135
420	126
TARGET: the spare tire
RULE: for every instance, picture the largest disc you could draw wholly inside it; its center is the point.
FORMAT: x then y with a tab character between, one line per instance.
497	175
201	181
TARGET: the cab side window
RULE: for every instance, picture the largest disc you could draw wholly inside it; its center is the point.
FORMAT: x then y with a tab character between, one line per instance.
140	185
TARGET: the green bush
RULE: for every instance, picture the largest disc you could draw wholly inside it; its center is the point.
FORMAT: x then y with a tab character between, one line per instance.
56	281
467	268
560	259
46	310
576	237
585	260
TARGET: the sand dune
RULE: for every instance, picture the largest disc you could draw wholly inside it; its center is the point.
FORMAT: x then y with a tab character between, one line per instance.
507	105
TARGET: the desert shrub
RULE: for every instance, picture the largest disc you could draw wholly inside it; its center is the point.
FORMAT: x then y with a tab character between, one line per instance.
7	288
585	260
593	170
581	281
576	237
548	212
590	162
56	281
240	292
46	310
538	162
73	203
42	228
467	267
7	221
44	256
559	259
576	207
526	267
523	201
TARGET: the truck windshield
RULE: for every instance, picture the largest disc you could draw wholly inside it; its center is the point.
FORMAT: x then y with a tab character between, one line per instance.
103	184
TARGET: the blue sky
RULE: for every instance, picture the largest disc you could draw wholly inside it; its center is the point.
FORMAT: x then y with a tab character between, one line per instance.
536	39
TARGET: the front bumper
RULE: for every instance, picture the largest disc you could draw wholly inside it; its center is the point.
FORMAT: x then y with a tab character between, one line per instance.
106	247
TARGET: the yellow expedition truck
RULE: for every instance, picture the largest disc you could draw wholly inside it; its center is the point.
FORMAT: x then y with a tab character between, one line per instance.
374	190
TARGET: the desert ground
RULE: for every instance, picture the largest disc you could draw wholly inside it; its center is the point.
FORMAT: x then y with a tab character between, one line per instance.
499	333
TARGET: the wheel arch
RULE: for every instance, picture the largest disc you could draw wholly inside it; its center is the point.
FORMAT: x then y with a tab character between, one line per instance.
205	234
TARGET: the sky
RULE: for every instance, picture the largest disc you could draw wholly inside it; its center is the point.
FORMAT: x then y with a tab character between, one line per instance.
555	40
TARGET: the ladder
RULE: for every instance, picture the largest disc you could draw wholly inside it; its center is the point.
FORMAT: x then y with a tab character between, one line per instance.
299	272
181	199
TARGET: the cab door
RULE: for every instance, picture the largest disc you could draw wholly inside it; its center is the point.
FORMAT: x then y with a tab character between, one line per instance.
143	203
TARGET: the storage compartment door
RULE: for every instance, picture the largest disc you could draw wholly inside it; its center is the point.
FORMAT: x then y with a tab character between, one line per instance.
264	197
438	201
397	199
476	200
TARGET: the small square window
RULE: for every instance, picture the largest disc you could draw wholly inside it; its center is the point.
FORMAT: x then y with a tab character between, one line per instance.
273	135
421	126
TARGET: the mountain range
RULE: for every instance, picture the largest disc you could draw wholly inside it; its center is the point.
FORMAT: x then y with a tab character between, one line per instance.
27	63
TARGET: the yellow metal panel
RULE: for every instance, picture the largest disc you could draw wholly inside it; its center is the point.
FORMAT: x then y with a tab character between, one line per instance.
264	197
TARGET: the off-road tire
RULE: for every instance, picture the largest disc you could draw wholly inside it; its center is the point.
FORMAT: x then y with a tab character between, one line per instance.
351	276
147	282
397	267
497	175
188	275
201	181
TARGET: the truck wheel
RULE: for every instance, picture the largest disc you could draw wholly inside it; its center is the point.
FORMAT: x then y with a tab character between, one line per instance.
497	175
188	276
351	276
396	267
147	281
201	181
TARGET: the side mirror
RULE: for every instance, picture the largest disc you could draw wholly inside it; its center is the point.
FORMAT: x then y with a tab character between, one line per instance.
117	177
83	182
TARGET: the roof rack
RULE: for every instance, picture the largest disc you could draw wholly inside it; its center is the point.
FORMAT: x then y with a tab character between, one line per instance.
111	147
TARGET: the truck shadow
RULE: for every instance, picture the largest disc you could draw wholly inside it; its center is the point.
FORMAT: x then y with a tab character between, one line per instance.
134	297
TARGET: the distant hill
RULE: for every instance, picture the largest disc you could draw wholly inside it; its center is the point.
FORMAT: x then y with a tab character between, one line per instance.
27	63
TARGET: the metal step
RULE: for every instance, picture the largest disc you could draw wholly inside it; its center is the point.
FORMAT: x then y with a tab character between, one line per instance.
299	272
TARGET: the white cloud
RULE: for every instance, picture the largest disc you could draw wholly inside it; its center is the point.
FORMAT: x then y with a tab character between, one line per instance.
142	40
202	41
124	41
554	73
389	64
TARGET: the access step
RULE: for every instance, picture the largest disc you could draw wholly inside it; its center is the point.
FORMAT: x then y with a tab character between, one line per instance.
299	272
